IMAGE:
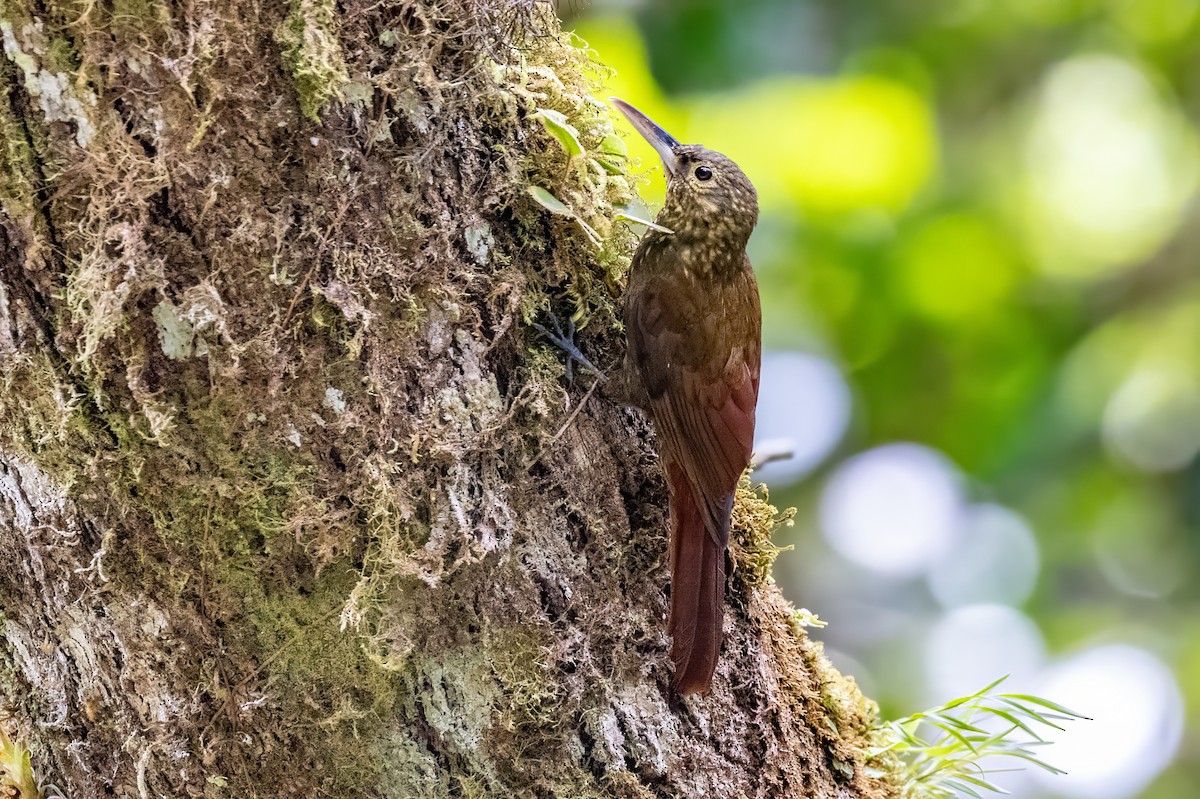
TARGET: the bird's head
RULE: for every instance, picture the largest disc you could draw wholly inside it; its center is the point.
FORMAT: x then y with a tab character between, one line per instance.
708	195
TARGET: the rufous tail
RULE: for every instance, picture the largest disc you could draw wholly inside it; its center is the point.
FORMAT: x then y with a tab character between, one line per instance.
697	590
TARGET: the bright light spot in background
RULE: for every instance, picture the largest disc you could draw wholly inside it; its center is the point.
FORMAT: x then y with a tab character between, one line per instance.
1136	381
893	509
1137	714
1138	544
994	560
1095	368
803	401
1156	21
835	145
832	146
973	646
1153	419
1108	168
956	266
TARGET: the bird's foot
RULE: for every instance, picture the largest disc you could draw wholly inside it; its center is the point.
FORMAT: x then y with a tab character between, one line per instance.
564	339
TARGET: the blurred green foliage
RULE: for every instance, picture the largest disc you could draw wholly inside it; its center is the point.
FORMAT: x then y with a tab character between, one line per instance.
985	214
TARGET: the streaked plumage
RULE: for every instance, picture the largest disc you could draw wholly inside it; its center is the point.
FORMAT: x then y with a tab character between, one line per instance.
693	329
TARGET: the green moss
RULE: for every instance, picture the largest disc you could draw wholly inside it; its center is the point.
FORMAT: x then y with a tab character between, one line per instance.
17	158
754	520
301	630
241	518
139	18
61	55
531	693
623	784
850	728
312	54
585	278
42	416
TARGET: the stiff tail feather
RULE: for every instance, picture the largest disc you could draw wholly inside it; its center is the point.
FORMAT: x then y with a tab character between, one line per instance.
697	590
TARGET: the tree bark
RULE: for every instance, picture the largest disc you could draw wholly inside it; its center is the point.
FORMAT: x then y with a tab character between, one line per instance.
293	502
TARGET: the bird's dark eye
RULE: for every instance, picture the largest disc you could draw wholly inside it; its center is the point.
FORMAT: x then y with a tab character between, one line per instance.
703	173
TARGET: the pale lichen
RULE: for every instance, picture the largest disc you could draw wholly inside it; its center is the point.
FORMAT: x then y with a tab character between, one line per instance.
174	331
60	98
335	400
480	242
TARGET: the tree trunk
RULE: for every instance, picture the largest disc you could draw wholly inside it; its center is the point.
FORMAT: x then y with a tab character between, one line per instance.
293	502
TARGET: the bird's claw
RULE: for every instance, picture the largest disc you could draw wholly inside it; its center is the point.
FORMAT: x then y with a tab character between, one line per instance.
565	341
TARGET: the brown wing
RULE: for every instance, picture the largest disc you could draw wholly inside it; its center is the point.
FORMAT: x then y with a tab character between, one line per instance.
696	346
695	349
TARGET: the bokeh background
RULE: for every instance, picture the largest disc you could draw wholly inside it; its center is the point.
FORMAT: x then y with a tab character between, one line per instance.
978	259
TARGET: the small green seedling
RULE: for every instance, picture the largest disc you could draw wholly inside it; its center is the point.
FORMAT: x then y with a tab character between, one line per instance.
941	748
16	771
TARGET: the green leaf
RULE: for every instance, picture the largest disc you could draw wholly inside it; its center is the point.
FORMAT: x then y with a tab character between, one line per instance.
955	734
1037	700
615	154
609	166
1013	720
548	201
1023	755
1041	718
556	206
560	129
946	718
614	145
965	784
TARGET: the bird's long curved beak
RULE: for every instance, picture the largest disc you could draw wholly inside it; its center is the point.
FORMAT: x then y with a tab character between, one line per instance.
663	143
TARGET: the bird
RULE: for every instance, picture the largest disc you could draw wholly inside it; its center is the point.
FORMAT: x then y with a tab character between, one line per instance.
693	329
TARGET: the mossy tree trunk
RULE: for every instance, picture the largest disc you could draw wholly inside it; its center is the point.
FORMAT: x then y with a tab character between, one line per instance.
292	502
